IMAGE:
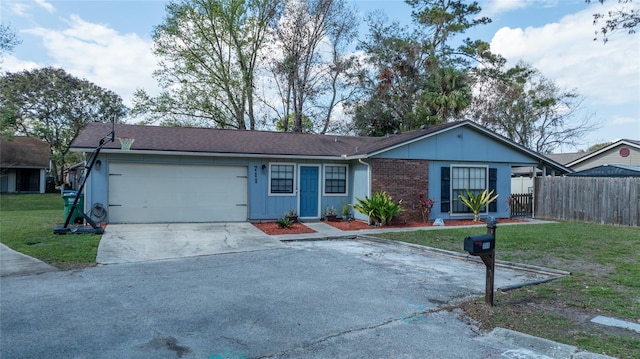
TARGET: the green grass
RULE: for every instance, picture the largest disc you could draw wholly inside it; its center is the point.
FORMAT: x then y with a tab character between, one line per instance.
26	225
605	280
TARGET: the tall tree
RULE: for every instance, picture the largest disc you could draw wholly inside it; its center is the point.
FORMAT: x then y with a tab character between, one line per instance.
311	69
418	75
528	108
8	39
626	16
54	106
209	56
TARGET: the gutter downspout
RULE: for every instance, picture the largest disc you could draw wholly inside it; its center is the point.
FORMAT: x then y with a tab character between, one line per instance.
368	176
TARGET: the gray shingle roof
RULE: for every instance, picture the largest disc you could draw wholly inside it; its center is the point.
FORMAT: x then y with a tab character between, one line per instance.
207	140
564	158
20	151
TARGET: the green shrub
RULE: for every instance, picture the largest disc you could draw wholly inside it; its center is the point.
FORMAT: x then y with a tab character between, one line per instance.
283	222
380	208
477	202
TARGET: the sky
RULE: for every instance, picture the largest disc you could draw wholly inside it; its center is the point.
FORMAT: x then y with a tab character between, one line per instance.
108	42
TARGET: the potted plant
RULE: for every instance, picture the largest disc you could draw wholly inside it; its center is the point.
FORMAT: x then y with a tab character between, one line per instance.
330	214
346	212
292	215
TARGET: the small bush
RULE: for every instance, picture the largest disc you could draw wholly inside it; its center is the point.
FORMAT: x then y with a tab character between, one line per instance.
380	208
284	222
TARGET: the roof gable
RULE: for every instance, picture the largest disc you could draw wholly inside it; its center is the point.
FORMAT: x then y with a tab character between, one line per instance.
624	142
22	151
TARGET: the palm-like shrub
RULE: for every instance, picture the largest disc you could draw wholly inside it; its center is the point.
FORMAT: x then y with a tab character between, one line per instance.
476	203
380	208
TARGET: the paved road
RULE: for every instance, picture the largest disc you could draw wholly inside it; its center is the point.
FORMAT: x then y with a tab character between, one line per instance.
333	299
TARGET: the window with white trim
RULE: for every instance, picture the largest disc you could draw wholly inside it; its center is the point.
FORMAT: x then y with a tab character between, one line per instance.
281	179
473	179
335	179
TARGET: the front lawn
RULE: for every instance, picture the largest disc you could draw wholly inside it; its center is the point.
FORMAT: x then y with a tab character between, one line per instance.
26	225
605	280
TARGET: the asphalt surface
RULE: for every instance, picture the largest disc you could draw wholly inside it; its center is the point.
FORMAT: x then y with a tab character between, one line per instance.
317	299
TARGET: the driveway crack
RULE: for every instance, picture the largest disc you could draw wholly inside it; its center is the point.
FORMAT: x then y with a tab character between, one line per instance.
407	319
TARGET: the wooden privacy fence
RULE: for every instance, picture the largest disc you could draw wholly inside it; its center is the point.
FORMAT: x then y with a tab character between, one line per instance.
589	199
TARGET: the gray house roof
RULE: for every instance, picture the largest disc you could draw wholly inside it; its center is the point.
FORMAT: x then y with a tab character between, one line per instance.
207	141
23	152
239	142
565	158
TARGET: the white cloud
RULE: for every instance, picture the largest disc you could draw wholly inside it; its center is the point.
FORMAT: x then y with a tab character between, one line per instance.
118	62
565	52
625	120
11	63
496	7
18	8
46	5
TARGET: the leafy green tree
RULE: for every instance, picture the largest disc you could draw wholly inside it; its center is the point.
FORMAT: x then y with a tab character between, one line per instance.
418	76
54	106
598	146
8	39
286	124
446	94
528	108
626	16
209	51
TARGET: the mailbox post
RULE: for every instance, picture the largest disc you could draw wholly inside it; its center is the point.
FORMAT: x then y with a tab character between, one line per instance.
484	246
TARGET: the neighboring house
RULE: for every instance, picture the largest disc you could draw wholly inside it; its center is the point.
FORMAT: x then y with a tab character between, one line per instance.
608	171
177	174
621	152
24	162
73	176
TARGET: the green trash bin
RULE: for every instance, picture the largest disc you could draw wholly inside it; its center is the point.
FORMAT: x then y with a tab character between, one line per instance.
68	196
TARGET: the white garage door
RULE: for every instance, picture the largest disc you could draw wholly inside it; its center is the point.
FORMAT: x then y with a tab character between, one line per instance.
155	193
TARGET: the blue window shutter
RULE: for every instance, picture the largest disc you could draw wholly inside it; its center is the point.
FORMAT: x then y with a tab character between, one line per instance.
445	189
493	186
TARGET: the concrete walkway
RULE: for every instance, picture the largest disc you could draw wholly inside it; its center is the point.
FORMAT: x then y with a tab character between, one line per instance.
15	263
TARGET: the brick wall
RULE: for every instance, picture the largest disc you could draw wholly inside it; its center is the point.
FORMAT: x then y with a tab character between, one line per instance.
402	180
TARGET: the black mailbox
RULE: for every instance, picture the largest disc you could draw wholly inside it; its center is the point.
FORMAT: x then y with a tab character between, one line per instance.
479	244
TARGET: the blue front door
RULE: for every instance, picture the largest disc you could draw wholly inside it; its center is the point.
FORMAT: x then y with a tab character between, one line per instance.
309	191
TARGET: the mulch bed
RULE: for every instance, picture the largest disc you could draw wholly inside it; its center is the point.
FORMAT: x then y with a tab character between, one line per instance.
357	225
271	228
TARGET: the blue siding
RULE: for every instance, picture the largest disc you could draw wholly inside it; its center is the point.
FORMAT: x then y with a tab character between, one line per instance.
503	189
461	144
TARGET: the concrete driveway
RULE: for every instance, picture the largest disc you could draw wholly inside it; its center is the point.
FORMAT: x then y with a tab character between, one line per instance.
123	243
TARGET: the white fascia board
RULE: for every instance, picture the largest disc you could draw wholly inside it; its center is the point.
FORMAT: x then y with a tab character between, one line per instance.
209	154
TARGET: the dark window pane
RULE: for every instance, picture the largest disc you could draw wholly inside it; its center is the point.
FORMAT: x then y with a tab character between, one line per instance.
281	178
335	179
